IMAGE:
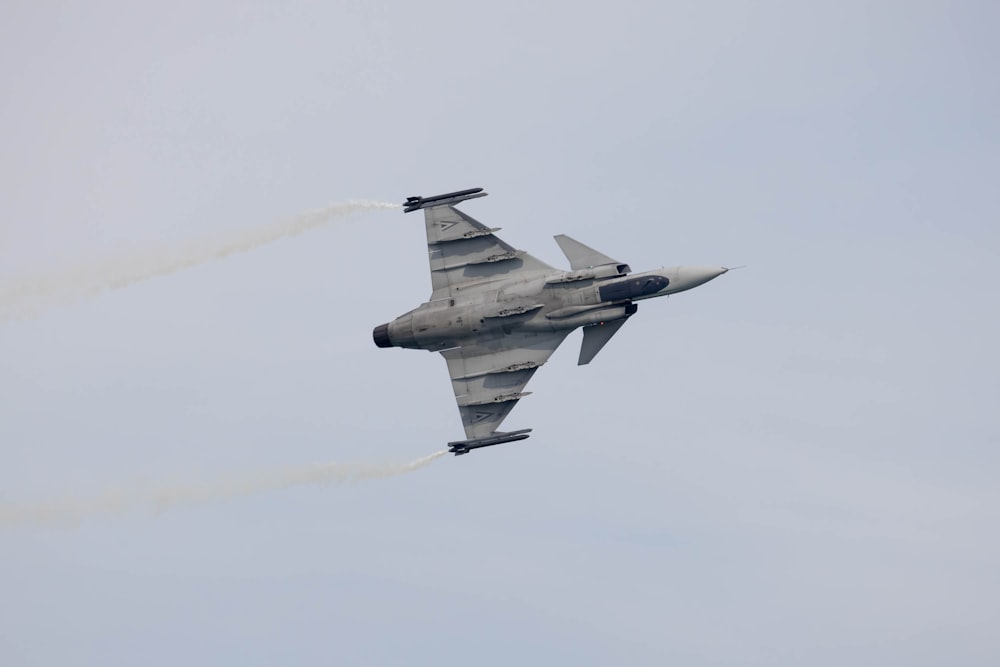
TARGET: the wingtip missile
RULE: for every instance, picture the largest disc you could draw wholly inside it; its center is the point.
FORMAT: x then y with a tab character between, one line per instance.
416	202
460	447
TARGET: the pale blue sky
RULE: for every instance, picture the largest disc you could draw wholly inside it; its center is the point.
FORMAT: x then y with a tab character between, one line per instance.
794	463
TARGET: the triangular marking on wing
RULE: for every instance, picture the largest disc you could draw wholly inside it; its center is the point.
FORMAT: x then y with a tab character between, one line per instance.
481	416
447	224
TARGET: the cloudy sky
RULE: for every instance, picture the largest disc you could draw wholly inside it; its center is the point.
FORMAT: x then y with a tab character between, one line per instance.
794	463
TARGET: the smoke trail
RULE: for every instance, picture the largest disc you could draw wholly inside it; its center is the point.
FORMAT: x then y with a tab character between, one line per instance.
71	511
25	297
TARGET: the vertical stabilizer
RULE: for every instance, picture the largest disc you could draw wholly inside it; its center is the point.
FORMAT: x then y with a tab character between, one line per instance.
596	337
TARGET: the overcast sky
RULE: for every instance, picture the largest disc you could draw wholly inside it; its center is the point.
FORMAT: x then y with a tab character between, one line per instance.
795	463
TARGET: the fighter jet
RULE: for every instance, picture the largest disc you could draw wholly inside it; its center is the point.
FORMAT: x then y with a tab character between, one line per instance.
496	314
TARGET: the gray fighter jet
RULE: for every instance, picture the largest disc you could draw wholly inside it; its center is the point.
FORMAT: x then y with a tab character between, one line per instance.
496	313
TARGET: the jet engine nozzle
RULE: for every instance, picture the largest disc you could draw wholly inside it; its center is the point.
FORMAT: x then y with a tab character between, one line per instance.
381	335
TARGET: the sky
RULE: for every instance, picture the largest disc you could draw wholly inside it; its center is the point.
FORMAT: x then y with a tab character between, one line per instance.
796	462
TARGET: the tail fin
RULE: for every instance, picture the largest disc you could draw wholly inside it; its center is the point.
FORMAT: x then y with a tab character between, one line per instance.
595	337
581	256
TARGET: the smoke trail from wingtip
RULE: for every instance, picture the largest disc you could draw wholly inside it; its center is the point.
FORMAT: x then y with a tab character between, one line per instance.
26	296
162	497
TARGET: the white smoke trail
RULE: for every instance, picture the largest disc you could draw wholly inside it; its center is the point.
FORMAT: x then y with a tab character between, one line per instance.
159	498
26	296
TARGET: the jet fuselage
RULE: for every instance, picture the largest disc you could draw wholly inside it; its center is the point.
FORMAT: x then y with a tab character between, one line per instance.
497	313
563	300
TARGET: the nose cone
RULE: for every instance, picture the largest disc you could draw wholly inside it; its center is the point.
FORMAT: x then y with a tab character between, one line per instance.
692	276
699	275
